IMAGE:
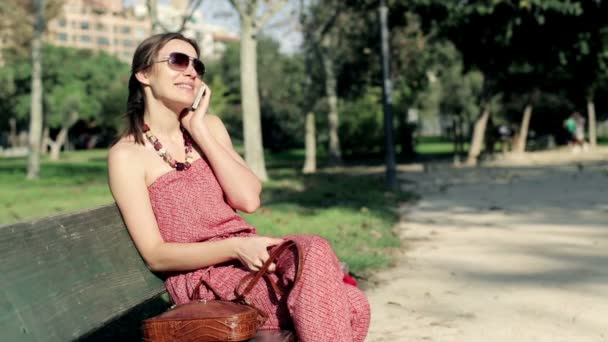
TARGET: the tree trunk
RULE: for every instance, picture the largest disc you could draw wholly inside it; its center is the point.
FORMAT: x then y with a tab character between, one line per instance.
46	140
12	135
592	122
457	135
252	128
523	131
58	143
310	163
333	117
35	134
153	14
478	134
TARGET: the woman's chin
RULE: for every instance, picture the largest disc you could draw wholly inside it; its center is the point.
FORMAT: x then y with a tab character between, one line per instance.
180	105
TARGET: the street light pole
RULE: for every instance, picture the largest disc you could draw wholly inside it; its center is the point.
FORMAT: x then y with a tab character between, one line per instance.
387	102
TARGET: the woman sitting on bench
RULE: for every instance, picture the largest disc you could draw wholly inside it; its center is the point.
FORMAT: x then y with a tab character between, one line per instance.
178	183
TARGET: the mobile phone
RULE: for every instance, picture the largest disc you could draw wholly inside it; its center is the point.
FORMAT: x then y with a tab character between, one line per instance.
198	97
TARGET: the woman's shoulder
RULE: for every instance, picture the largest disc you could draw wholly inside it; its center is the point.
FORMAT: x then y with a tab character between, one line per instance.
125	150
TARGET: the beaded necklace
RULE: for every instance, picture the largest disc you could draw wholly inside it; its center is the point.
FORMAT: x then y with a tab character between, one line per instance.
162	152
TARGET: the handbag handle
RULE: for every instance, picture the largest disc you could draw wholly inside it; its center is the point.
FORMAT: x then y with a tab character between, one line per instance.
255	276
240	296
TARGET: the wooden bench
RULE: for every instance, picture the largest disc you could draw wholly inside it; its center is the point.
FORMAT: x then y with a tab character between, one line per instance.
77	277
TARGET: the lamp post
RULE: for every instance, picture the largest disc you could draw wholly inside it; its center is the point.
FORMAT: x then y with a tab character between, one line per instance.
387	102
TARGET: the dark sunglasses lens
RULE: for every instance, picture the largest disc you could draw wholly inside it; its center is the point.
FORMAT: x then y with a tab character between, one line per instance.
199	67
179	60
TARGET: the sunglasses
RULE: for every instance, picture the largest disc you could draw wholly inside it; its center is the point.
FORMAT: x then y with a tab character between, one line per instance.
180	61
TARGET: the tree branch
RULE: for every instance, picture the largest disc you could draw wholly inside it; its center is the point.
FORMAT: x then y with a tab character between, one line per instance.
188	12
274	8
238	7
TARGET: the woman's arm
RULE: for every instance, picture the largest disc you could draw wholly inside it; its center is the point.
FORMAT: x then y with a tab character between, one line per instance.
127	183
241	186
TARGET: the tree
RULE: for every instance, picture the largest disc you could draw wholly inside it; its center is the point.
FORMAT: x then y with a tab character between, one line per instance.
79	85
318	22
18	18
251	23
508	32
283	94
35	132
585	56
26	21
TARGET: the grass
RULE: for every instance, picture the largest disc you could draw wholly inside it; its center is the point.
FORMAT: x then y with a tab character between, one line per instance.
353	211
436	146
77	181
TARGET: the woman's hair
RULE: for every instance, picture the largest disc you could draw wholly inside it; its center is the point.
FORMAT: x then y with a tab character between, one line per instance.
143	58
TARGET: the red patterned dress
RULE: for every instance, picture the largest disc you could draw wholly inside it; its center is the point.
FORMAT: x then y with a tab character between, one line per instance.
190	207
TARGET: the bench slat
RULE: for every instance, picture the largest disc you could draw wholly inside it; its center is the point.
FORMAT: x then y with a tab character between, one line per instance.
64	276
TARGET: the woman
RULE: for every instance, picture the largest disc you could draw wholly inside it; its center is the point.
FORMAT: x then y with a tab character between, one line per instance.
178	183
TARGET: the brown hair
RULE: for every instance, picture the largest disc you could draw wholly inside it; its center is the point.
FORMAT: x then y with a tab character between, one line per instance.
143	58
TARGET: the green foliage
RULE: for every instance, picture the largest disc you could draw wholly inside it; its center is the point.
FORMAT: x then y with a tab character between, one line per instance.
361	127
552	48
77	84
281	82
226	101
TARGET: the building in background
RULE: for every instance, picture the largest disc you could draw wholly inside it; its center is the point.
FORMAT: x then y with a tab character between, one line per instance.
101	25
107	25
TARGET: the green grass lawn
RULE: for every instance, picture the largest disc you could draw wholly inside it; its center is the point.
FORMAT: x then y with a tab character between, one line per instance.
436	147
353	211
75	182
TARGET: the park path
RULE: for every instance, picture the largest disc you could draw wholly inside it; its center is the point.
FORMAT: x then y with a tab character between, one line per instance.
516	251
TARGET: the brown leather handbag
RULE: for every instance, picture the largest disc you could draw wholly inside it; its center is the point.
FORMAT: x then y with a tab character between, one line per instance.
218	320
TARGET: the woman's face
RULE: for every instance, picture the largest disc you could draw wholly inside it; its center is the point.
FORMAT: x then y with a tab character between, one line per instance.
170	84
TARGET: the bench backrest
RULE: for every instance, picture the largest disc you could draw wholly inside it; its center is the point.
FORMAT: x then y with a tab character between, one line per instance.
65	276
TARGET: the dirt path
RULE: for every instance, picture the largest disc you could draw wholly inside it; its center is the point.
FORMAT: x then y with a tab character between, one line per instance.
513	252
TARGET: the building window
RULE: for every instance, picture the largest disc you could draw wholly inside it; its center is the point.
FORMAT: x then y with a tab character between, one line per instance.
125	29
72	9
84	25
140	32
103	41
127	43
62	22
85	39
100	27
62	37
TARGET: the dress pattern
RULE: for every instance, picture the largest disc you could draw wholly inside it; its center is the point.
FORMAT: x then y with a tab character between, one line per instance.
190	207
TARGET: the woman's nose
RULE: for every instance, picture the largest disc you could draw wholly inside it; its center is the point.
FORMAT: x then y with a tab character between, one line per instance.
190	70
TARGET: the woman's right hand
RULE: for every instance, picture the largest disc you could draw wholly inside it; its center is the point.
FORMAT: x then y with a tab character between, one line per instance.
253	251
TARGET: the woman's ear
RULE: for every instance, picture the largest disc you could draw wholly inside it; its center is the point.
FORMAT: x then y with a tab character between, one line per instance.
143	77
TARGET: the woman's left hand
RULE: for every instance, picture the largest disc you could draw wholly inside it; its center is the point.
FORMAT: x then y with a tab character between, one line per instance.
190	118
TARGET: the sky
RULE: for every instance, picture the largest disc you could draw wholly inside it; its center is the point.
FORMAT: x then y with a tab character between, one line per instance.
282	27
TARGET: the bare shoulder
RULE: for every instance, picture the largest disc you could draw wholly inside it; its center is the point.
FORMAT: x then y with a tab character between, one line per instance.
125	153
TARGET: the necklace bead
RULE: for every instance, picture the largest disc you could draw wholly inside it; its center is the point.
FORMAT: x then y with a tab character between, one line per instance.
163	153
